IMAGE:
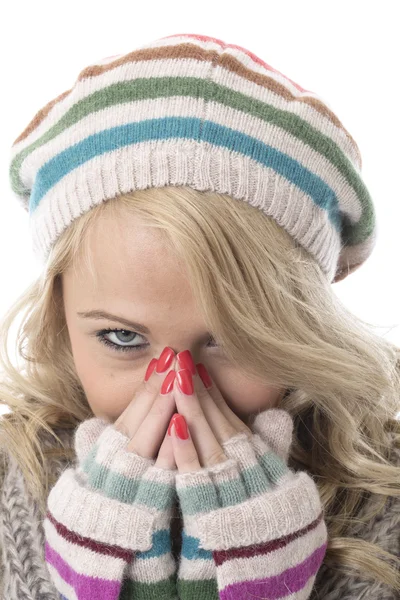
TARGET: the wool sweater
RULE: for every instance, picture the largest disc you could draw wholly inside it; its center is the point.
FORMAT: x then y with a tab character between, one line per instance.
39	556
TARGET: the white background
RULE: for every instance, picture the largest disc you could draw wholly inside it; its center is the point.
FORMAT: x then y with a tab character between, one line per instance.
345	51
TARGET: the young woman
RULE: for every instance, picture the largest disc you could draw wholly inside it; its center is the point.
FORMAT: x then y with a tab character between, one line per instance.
196	415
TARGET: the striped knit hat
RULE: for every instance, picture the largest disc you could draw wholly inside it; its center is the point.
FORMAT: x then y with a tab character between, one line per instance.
192	110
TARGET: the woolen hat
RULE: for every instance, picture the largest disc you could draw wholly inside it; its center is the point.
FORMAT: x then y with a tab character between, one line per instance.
192	110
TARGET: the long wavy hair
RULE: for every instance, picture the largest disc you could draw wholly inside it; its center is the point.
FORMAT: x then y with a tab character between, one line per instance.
269	305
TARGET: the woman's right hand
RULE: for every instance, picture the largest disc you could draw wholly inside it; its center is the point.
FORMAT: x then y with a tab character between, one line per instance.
146	418
109	516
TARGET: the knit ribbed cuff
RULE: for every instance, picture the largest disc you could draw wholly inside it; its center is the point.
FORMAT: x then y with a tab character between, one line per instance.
113	496
245	473
113	470
287	509
99	518
250	498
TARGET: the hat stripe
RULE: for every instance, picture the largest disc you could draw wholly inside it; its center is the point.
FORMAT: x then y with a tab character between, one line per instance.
280	87
216	112
274	81
184	128
140	89
232	116
137	88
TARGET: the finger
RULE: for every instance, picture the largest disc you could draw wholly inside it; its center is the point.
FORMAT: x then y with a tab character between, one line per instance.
206	443
204	380
166	458
185	454
149	436
136	411
222	426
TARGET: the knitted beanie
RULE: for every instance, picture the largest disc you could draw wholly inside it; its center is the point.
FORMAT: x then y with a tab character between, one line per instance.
192	110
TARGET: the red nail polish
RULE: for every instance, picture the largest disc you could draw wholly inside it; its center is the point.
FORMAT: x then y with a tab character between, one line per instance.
204	376
165	360
171	423
168	382
185	361
185	381
181	428
150	369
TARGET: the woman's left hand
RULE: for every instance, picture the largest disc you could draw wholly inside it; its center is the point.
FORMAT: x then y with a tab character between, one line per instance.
252	527
206	414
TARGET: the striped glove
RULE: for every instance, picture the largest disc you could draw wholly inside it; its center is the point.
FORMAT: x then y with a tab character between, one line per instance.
107	526
252	527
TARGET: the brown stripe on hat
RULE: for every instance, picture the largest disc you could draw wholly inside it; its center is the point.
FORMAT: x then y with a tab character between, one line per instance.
193	51
228	62
40	116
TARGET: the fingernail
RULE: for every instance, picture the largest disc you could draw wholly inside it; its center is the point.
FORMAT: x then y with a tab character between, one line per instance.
185	381
165	359
186	361
204	375
168	382
171	423
181	428
150	368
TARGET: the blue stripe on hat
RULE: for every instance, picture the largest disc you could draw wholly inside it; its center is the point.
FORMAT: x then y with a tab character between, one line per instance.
111	139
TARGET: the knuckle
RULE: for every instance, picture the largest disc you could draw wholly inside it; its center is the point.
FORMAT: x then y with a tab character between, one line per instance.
217	456
158	409
131	447
197	414
123	428
226	431
217	398
192	459
202	394
246	430
152	385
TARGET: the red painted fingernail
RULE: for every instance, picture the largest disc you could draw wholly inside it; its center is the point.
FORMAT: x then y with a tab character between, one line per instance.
165	359
204	376
150	368
181	428
168	382
186	361
185	381
171	423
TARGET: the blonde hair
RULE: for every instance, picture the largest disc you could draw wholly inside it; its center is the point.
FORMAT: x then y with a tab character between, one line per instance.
267	302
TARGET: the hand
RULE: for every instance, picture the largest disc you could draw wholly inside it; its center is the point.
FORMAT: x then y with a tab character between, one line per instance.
115	505
205	413
252	527
146	418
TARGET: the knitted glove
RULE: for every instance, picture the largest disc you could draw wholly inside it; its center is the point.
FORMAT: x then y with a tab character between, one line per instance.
252	527
107	525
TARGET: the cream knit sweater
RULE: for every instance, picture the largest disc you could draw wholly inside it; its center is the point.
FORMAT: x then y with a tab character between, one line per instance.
24	573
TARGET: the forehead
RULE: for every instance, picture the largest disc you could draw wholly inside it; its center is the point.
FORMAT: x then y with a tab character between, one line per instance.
131	262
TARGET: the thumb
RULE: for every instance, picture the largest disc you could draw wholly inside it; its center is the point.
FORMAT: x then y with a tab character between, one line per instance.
275	427
86	435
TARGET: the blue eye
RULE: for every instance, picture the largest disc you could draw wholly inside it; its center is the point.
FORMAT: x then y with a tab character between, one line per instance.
130	334
118	347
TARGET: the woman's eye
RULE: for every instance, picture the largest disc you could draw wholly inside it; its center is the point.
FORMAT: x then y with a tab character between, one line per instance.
122	340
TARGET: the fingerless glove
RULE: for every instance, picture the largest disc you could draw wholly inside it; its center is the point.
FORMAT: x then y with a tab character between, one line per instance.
252	527
107	528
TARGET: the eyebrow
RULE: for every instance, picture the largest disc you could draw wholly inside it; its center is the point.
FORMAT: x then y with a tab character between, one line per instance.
101	314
